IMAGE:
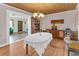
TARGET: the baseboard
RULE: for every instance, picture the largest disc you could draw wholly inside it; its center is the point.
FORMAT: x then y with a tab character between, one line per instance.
4	45
9	43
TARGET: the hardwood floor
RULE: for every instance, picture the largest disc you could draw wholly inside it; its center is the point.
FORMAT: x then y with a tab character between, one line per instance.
57	48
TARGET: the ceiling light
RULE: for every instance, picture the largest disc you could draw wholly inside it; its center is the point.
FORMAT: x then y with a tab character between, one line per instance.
38	14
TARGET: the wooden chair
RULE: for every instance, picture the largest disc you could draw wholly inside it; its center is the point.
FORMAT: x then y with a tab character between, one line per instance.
74	47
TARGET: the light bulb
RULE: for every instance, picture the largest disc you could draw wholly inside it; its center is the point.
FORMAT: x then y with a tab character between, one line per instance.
35	14
41	15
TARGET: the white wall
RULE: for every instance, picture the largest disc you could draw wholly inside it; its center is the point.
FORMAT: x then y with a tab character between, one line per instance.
68	16
77	14
3	22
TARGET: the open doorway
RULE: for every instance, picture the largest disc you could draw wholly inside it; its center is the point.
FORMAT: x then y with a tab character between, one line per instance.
18	29
18	26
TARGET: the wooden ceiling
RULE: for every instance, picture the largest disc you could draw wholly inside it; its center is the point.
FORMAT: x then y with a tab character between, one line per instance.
45	8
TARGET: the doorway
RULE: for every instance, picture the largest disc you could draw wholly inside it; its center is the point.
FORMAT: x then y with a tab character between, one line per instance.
17	23
18	31
20	26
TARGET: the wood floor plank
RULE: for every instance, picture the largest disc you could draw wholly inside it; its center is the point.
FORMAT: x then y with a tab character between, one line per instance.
57	48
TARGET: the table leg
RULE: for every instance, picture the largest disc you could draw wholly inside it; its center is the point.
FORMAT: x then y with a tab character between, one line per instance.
26	49
68	52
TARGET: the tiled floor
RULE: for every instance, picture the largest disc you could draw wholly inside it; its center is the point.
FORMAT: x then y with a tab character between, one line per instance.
57	48
15	37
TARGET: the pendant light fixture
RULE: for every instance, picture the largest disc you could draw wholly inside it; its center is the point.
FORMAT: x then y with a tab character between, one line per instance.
38	14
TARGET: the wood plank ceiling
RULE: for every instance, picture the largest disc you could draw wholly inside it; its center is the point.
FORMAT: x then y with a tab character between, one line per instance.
45	8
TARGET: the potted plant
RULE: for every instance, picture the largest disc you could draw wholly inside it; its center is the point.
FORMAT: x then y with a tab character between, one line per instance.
11	30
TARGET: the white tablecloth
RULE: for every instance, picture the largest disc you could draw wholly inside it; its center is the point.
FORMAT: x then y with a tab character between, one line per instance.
39	41
67	41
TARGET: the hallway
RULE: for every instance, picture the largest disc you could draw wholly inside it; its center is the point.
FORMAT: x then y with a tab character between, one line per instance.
17	37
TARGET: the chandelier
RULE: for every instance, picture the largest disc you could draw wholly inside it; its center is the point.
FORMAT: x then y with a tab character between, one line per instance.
38	14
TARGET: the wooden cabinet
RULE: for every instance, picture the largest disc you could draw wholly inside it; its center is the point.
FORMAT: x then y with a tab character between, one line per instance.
57	33
74	36
35	25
